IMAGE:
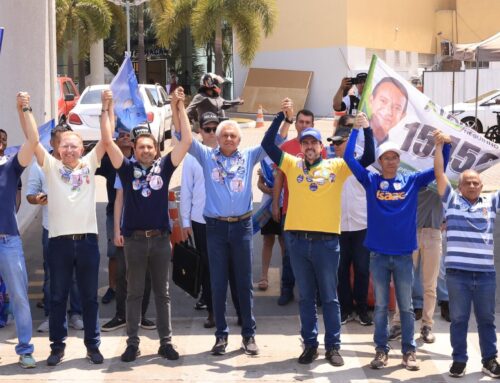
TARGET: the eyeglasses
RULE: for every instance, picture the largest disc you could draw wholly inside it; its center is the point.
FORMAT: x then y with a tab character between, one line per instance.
338	143
209	130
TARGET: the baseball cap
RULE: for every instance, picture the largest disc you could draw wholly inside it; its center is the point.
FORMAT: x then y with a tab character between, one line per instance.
340	134
387	146
139	130
310	132
362	76
208	117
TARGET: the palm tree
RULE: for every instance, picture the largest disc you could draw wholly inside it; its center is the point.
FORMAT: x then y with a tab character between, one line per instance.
86	20
207	19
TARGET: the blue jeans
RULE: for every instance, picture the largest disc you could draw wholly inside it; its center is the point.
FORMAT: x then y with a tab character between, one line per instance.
477	288
231	243
400	267
67	256
75	306
287	277
13	272
315	263
442	290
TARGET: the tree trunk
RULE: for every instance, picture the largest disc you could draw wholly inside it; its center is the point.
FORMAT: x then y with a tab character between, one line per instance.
208	51
218	48
69	52
141	57
82	72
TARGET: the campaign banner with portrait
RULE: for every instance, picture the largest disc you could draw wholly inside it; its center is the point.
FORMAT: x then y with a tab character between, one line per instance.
400	113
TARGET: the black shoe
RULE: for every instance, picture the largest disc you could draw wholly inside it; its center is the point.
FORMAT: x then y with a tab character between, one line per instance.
114	324
168	351
346	317
334	357
285	298
147	324
249	346
457	369
109	296
55	357
130	354
309	354
40	304
239	322
492	368
365	319
219	347
418	314
95	356
445	311
200	305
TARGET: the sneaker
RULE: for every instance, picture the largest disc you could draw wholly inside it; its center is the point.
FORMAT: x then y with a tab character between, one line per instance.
27	361
285	298
344	318
114	324
95	356
418	314
457	369
76	322
55	357
395	332
168	351
108	296
44	326
410	361
249	346
219	347
200	305
130	354
365	319
427	335
334	357
445	311
309	354
380	360
40	304
491	368
147	324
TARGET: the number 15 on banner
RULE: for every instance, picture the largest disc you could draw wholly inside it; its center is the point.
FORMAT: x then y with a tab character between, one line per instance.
1	37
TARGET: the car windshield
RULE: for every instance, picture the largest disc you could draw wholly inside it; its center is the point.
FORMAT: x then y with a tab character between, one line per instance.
92	97
482	97
152	95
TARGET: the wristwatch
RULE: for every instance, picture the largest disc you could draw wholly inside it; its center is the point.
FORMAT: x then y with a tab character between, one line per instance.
290	121
27	109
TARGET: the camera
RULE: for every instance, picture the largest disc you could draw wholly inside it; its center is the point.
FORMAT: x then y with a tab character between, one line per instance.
355	80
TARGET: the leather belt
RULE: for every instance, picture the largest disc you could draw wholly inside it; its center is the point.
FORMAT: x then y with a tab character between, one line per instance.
147	233
315	235
235	219
74	237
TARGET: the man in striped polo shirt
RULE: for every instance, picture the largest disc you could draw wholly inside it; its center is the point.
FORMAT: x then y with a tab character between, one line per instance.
469	262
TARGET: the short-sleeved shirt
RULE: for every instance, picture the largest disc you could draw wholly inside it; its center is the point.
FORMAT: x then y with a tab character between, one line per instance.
145	195
314	194
10	174
109	173
469	231
36	184
72	201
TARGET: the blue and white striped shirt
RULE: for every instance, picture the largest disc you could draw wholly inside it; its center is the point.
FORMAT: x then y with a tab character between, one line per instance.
470	229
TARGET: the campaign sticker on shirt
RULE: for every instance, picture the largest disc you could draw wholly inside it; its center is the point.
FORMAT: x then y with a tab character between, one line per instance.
299	164
137	173
156	182
332	177
313	187
320	181
216	176
384	185
309	179
300	178
146	192
397	185
136	184
236	185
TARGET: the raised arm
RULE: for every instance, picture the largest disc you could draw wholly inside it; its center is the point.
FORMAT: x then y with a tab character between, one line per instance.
182	147
337	98
368	156
359	171
287	109
106	142
440	163
29	127
268	144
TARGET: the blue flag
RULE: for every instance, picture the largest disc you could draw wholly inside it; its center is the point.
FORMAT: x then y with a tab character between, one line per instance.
1	37
129	106
44	133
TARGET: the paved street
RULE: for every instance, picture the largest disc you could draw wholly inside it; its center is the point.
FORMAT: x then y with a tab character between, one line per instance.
277	333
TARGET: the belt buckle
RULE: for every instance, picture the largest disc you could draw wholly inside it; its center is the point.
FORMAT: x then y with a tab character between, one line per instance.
148	233
232	219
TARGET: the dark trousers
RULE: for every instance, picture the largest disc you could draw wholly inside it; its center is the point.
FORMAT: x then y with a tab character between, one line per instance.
200	240
353	252
67	256
287	277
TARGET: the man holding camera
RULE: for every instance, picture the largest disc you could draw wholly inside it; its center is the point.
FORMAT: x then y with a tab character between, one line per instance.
343	101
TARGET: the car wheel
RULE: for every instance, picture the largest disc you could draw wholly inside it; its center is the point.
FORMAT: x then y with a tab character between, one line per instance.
493	134
471	123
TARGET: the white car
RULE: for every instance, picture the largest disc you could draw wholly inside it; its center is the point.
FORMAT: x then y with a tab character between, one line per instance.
488	103
84	118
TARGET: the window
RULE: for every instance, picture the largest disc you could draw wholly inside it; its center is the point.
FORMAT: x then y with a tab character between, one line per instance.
472	64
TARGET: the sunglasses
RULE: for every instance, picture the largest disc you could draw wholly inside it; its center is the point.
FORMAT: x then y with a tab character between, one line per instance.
338	143
209	130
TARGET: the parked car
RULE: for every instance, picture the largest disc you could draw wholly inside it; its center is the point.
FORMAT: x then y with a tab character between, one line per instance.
67	96
488	103
84	118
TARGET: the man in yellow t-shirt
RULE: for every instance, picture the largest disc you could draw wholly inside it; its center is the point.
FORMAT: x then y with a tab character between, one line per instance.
312	228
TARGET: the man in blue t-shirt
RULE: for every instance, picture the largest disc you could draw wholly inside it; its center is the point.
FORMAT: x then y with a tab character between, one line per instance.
145	223
12	266
391	238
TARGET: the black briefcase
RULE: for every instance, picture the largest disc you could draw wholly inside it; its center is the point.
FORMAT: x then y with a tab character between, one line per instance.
187	268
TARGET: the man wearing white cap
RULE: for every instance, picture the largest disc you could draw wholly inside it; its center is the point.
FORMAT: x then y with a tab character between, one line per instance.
391	238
